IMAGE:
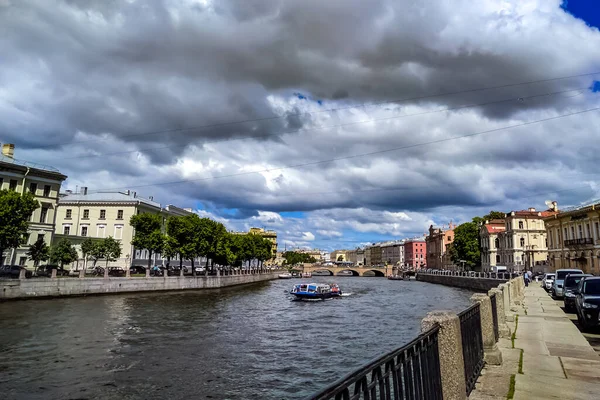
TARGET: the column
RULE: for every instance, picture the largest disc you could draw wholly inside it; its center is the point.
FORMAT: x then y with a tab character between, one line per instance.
492	354
503	329
452	365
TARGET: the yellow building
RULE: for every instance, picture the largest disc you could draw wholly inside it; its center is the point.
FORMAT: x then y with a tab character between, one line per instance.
267	234
574	238
44	182
338	255
99	215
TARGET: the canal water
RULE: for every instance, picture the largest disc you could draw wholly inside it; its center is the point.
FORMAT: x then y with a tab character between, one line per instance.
249	342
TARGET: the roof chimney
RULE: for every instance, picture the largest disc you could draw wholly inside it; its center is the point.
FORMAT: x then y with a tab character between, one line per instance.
531	209
8	150
555	206
128	192
84	190
134	195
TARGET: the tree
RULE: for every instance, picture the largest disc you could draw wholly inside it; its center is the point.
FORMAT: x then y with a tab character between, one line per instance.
494	215
148	233
96	251
112	249
87	247
293	258
465	246
63	253
39	251
15	212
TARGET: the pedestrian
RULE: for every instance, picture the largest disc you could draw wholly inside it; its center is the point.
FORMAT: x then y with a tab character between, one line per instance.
526	278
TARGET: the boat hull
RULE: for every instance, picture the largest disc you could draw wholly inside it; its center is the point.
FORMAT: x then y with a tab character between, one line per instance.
312	296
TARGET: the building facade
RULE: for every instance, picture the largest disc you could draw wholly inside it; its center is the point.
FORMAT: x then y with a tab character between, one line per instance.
338	255
574	238
415	253
376	260
438	243
100	215
392	253
44	182
523	244
356	256
267	234
490	243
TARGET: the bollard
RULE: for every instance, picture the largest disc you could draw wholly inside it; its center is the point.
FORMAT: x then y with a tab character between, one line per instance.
106	272
452	365
53	273
127	272
147	272
505	287
82	273
181	271
22	273
503	329
492	354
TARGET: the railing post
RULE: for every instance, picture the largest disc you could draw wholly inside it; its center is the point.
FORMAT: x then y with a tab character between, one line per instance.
452	366
53	273
147	272
492	354
22	273
82	273
503	329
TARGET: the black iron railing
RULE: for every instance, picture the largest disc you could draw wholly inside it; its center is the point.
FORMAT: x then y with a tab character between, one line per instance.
581	241
472	343
494	315
411	372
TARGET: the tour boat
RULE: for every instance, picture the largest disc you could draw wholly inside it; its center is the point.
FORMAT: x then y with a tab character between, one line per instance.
335	290
396	277
312	291
286	275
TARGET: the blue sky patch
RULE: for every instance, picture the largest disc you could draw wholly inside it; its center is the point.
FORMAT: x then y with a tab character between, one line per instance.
292	214
586	10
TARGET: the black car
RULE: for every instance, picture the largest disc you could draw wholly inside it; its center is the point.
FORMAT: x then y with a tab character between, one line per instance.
116	271
570	285
587	302
175	270
46	270
13	271
137	269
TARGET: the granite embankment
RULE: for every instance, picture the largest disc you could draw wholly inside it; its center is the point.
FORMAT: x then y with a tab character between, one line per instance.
479	282
12	289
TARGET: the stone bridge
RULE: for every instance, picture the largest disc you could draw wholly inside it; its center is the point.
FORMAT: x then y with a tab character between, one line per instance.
356	271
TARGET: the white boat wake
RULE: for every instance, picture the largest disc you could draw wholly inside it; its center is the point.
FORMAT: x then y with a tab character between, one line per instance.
346	294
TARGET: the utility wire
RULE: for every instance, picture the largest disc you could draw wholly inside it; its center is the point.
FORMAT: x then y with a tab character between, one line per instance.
511	99
361	105
327	161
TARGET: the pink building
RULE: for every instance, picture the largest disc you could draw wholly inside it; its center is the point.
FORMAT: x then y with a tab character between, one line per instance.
415	253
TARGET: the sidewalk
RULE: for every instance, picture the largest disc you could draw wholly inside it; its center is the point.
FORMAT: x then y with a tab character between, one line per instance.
558	362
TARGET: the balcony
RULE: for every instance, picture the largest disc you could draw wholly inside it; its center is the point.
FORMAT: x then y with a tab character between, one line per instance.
578	242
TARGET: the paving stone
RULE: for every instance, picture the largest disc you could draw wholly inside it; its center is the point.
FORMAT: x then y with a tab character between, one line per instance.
586	370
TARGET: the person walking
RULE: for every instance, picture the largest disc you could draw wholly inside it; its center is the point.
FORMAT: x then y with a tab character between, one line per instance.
526	277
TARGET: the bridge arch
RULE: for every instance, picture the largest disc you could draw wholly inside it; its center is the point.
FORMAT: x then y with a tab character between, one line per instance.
344	272
323	270
375	273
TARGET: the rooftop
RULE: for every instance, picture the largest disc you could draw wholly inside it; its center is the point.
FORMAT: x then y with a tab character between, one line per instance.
595	202
22	163
96	197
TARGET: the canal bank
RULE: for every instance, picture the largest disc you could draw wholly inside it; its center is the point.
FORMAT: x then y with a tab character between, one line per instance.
17	289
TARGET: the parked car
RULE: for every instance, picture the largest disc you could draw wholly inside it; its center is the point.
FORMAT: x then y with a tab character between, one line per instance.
13	271
570	285
46	270
137	269
559	280
548	281
587	301
116	271
175	270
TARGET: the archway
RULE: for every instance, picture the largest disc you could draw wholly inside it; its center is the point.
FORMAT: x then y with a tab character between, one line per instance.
322	272
347	272
373	272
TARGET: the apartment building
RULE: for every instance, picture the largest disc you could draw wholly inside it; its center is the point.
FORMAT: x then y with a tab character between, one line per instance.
102	214
438	242
415	253
356	256
392	253
490	243
523	244
574	238
44	182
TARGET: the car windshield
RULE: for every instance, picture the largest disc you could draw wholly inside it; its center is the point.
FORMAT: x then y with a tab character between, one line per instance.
591	286
551	276
563	274
572	281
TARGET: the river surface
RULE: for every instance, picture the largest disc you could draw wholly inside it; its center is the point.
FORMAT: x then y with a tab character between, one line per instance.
248	342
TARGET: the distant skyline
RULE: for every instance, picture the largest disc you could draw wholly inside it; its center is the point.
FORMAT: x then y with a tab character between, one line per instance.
332	122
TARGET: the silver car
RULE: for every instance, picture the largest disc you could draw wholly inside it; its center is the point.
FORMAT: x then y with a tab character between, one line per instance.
548	281
559	281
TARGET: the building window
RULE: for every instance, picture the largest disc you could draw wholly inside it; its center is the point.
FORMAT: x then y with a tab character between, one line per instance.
589	230
41	236
84	231
572	232
597	230
68	214
43	215
520	224
102	214
13	184
66	230
566	234
22	261
33	187
86	214
101	231
119	214
118	231
580	231
522	242
47	189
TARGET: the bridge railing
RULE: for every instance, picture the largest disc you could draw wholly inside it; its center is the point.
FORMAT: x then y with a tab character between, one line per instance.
410	372
504	276
472	344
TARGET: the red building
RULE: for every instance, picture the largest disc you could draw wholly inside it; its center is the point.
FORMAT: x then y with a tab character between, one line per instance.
415	253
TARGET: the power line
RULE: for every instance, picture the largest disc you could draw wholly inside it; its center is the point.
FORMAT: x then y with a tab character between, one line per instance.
86	156
321	162
361	105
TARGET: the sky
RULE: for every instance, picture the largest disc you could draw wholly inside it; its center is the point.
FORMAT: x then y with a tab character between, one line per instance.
337	123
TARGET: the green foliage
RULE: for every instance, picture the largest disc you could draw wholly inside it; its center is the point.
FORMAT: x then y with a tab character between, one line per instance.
39	251
63	253
148	233
112	249
293	258
87	246
466	245
15	212
95	251
494	215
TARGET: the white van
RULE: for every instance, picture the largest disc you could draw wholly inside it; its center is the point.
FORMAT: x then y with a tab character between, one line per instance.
499	268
